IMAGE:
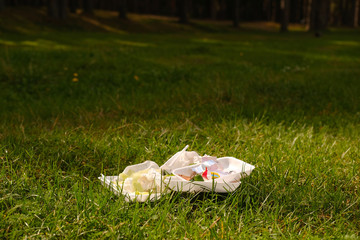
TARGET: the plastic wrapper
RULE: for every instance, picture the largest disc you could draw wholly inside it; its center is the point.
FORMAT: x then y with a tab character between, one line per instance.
189	173
138	182
180	159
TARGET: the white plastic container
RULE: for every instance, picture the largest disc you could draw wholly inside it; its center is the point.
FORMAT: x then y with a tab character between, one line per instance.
198	186
110	182
180	164
115	183
226	183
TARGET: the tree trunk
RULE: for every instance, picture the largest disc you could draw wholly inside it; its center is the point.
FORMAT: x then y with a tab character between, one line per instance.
213	9
356	13
53	9
135	6
267	9
73	5
314	16
155	7
2	5
298	11
348	13
63	11
13	3
171	7
340	13
273	10
324	14
319	16
38	3
236	9
309	4
57	9
284	5
123	9
88	6
184	11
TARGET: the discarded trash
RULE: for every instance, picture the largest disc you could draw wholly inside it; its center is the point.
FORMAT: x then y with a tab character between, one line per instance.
137	182
185	172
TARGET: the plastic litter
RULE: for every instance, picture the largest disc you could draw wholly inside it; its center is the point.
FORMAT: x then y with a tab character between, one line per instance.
189	172
180	159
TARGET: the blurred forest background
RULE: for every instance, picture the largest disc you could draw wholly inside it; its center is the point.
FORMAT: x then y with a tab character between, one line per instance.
315	15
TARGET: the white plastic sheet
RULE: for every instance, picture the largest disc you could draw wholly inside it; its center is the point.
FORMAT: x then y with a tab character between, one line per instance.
180	159
152	185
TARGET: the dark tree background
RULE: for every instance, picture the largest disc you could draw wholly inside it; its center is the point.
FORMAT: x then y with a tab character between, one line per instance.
317	15
285	11
88	6
2	5
184	11
58	9
236	5
123	9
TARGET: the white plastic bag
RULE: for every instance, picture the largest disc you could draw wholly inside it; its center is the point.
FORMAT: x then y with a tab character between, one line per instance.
138	182
147	176
180	159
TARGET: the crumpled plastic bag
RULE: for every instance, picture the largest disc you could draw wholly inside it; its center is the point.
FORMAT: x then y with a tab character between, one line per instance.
147	176
180	159
143	177
137	167
145	181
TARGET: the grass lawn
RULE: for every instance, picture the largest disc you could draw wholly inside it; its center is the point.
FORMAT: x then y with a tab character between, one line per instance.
287	103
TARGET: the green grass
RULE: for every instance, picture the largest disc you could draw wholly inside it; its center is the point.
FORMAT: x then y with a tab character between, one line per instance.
287	103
